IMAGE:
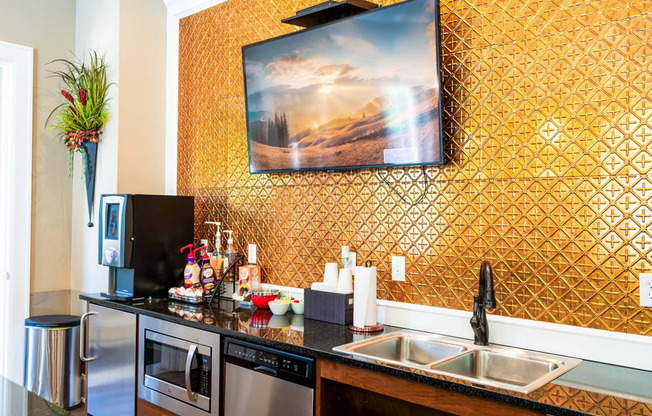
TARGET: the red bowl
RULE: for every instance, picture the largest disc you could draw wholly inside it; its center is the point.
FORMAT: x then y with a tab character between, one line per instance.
260	318
261	298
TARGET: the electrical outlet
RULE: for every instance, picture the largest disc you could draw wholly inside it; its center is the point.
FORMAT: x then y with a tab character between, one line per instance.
251	256
645	289
398	268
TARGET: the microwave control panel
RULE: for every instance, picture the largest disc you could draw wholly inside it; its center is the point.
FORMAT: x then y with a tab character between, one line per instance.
205	381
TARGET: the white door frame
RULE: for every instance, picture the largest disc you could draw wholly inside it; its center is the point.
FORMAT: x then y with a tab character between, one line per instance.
16	212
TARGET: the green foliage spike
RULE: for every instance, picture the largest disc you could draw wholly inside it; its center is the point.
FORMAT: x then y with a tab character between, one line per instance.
85	111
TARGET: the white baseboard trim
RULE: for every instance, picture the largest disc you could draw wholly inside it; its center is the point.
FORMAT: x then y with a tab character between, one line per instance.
589	344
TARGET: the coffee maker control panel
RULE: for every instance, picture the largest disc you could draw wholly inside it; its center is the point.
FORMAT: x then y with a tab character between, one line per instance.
112	230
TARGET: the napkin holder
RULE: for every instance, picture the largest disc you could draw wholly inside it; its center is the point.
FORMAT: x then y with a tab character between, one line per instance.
336	308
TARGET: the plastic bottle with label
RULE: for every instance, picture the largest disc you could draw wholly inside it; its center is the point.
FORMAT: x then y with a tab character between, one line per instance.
192	270
207	275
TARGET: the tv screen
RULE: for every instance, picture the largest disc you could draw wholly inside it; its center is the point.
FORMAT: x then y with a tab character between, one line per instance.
359	92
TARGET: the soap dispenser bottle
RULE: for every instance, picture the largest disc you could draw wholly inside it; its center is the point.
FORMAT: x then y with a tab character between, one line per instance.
218	239
229	242
192	271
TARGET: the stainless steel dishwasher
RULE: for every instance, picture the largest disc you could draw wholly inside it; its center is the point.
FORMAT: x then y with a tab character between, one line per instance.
267	382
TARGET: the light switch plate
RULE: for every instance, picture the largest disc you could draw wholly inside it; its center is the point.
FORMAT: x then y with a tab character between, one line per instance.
398	268
251	256
645	289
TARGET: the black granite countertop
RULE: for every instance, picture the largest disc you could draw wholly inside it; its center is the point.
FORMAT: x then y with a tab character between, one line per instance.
16	400
589	389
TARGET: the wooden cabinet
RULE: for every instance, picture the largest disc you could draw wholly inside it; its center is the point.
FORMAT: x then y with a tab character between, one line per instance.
343	389
144	408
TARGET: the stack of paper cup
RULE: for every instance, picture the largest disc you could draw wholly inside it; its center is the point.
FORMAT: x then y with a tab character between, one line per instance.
330	277
345	281
364	297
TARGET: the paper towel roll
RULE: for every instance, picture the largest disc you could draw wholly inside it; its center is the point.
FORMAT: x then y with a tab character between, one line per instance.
364	297
360	297
372	308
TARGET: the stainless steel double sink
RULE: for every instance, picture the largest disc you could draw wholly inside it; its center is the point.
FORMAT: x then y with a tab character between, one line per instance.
496	366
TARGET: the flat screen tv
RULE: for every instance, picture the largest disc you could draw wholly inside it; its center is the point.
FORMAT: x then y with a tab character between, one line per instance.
355	93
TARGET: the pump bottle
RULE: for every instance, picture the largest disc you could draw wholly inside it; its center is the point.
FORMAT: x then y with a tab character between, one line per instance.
229	242
216	258
218	240
192	271
200	260
207	273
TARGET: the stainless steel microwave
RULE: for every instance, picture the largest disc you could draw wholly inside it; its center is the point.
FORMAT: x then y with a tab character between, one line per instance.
178	367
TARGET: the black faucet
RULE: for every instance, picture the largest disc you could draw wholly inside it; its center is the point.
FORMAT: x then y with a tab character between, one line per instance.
484	300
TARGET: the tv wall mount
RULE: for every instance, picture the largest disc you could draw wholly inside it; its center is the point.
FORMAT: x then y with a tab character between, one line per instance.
329	11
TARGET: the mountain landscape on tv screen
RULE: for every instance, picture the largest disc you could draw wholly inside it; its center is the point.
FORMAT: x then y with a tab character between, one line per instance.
357	140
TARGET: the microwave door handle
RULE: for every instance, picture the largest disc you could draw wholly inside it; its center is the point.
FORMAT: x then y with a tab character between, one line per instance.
191	354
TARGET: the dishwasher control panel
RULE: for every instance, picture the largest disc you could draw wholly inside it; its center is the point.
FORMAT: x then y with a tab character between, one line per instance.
268	359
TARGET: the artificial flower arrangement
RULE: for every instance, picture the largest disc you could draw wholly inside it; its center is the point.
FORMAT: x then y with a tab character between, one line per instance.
82	116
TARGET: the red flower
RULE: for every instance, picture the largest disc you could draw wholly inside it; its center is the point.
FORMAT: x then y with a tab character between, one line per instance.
68	96
72	109
82	96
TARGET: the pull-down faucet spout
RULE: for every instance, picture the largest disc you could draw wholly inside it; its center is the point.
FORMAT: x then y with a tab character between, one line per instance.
484	300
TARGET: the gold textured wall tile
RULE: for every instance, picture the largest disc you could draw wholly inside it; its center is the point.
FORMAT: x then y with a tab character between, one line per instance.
548	126
640	409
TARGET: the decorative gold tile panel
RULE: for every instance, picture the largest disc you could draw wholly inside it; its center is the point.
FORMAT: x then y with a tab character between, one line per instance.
548	132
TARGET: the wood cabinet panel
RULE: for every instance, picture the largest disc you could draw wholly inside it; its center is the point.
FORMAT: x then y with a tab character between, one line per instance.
409	391
144	408
339	399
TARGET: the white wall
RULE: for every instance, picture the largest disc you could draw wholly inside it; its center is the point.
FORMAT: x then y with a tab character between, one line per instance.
141	154
98	28
48	27
131	152
132	35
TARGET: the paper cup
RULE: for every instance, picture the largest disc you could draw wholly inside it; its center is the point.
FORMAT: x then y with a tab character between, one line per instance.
345	281
330	277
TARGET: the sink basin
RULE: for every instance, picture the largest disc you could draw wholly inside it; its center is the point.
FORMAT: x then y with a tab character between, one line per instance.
404	348
496	366
498	369
411	349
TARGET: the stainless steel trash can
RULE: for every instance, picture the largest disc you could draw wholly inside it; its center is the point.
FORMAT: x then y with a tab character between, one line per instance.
52	364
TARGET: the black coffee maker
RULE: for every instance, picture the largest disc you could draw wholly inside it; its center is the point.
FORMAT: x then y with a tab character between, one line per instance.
139	239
